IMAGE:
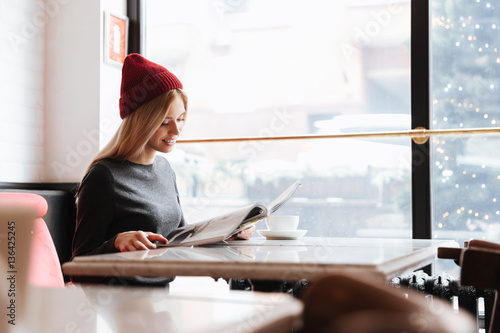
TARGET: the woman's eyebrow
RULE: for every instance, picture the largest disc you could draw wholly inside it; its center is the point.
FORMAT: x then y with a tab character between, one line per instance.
167	117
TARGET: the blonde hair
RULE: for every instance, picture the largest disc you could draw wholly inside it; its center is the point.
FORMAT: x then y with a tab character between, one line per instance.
138	127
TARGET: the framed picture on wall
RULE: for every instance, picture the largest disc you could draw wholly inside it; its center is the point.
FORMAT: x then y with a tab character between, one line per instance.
115	38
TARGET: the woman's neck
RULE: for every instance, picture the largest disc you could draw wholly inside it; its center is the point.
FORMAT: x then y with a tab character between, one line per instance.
143	158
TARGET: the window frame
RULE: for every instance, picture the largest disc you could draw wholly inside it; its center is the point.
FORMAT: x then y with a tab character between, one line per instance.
420	118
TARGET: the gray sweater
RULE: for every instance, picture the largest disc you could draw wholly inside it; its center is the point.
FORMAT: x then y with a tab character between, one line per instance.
117	196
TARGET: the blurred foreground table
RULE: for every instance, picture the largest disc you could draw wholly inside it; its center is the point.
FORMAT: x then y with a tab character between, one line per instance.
258	258
105	309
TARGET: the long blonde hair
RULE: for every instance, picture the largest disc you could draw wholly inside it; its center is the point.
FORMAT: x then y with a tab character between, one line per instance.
137	128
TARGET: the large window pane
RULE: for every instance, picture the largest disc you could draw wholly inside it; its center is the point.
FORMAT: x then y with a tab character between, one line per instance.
365	193
465	83
255	68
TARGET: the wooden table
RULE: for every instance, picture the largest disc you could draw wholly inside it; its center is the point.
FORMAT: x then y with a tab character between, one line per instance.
258	258
105	309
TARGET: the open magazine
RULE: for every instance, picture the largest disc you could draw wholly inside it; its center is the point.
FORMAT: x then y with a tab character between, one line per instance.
225	226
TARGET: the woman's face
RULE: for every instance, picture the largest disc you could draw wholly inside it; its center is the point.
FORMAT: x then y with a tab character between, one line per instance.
163	140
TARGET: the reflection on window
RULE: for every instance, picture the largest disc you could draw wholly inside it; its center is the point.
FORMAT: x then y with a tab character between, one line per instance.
255	68
465	42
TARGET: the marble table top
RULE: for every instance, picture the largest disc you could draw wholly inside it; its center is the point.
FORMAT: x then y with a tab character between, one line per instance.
259	258
105	309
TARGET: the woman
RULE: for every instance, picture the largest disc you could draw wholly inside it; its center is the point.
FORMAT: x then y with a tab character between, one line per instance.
128	198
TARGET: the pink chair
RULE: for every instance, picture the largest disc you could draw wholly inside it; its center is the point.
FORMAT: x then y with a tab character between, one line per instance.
44	269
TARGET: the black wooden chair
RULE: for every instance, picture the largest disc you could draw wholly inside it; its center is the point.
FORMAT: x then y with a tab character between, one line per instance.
480	268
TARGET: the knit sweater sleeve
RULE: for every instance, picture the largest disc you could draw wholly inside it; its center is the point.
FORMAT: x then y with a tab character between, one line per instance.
95	211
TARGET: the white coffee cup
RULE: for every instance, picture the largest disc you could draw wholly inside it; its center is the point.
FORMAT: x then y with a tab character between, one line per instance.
284	222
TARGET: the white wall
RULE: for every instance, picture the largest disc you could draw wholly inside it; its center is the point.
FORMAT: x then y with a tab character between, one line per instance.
111	76
22	49
58	99
81	90
72	78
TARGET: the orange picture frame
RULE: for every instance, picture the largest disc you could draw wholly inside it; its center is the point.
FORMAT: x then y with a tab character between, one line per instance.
115	38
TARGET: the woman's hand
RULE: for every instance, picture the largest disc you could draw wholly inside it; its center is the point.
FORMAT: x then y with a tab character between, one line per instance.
137	240
245	234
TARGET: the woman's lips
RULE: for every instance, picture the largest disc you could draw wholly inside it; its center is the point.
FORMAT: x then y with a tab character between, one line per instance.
169	142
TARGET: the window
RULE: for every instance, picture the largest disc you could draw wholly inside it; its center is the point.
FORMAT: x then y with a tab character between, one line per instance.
465	84
288	69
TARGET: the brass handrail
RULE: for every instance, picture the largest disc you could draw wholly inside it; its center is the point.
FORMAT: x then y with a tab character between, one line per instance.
418	135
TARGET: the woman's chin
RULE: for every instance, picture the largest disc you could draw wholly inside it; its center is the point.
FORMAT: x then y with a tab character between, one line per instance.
167	149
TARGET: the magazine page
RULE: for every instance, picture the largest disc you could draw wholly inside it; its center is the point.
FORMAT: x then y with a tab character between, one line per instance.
255	215
215	229
271	208
282	198
220	228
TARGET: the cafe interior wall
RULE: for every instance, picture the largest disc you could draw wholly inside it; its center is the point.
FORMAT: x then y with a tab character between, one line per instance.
60	102
22	92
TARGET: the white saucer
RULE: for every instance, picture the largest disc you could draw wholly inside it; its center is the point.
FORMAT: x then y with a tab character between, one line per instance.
282	234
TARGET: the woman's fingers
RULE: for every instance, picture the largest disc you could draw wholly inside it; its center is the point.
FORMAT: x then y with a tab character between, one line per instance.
140	245
246	233
157	237
137	240
143	238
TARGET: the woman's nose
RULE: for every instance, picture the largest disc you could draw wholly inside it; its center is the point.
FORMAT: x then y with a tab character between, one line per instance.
176	128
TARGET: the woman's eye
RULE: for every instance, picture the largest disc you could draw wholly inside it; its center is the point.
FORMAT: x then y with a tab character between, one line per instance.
177	120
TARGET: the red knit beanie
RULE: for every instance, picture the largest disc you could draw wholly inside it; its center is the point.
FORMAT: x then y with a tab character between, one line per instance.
143	80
